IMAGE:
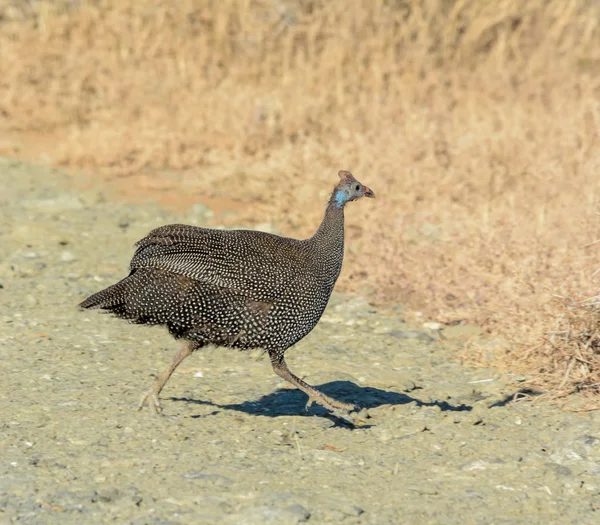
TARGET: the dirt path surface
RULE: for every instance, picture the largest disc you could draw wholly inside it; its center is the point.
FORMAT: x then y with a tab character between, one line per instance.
236	445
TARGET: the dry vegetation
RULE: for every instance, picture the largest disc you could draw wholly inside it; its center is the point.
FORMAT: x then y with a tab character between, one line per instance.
477	123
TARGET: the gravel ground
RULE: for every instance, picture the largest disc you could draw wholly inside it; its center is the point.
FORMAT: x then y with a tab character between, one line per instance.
442	443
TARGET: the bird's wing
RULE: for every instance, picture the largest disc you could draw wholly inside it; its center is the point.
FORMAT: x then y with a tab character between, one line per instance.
255	264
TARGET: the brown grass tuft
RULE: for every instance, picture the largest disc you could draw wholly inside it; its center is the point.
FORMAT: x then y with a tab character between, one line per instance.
476	123
567	358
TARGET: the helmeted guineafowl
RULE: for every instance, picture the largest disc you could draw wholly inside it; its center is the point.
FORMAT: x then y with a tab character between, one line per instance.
238	288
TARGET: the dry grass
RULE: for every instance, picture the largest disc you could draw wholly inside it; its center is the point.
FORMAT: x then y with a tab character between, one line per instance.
477	123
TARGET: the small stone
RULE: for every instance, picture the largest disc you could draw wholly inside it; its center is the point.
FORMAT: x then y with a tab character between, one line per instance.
291	515
559	470
113	494
213	479
67	256
412	334
383	435
106	495
474	419
474	465
31	300
408	385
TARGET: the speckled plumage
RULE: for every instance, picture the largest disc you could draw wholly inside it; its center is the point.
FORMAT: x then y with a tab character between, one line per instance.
237	288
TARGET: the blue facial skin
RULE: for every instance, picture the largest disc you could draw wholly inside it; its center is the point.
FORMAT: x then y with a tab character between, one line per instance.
341	198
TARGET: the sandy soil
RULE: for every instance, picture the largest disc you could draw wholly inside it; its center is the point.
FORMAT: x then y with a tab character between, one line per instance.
441	444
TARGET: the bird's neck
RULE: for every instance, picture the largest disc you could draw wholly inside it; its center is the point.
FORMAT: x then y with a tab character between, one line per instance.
330	235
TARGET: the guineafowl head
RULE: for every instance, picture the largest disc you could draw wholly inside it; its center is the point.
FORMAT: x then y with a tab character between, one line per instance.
349	189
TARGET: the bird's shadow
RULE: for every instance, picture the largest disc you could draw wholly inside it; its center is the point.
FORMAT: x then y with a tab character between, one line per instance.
292	402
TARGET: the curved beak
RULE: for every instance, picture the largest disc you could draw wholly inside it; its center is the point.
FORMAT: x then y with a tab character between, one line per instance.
369	193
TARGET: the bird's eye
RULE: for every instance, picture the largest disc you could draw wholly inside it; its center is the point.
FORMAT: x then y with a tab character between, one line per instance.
357	187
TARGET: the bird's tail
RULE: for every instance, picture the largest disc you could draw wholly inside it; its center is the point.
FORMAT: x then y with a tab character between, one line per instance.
146	295
110	296
115	298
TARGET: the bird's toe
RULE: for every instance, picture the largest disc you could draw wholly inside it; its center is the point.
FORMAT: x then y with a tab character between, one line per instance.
150	398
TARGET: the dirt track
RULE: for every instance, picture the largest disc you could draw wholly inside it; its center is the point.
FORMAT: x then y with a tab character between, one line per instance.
235	445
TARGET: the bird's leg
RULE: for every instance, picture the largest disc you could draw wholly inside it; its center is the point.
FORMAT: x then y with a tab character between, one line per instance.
314	395
151	397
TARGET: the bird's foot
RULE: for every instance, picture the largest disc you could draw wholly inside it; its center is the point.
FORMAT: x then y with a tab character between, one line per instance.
328	402
150	398
338	405
355	419
349	414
